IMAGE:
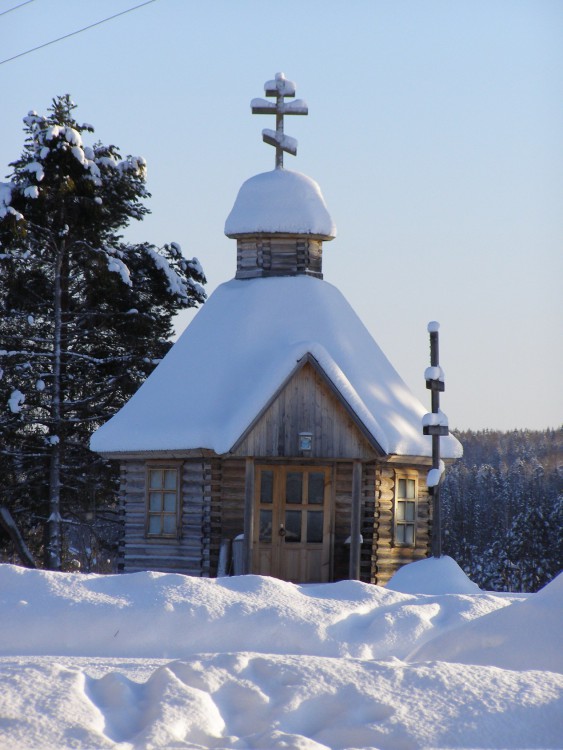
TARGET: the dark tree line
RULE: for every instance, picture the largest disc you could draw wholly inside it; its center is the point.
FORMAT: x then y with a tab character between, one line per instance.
84	318
502	507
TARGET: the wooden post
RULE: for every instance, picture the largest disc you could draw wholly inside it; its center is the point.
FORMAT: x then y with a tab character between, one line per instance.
355	526
436	427
248	515
435	401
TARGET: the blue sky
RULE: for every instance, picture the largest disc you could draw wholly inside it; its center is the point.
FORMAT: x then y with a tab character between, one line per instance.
434	130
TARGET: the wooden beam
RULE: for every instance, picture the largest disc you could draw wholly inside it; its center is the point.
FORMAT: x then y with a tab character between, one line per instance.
435	429
248	514
355	526
436	385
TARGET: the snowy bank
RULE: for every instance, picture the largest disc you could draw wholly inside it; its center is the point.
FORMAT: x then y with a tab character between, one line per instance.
166	615
433	576
522	637
159	660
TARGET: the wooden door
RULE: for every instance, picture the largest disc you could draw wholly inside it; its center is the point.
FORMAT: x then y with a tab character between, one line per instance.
292	530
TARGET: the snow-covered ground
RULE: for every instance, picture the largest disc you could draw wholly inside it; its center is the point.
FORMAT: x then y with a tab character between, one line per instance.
151	660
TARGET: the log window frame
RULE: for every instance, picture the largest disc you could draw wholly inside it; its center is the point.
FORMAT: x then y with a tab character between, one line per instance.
176	513
402	519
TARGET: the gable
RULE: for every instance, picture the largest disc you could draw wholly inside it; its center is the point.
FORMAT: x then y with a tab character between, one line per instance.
307	403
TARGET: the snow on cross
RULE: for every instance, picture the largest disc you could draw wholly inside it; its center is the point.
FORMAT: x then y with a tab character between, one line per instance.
280	88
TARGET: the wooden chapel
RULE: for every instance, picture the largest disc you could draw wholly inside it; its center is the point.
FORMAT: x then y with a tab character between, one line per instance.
275	438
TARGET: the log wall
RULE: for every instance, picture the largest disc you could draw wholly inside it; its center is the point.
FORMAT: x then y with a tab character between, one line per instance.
213	511
191	553
278	256
227	507
387	557
342	520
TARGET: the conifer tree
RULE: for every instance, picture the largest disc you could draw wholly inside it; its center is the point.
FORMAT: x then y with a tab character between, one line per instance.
503	509
85	315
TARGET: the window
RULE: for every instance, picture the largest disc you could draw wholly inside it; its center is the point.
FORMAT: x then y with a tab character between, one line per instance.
162	502
405	510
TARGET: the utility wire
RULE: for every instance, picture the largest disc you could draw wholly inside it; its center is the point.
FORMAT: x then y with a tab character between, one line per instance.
73	33
27	2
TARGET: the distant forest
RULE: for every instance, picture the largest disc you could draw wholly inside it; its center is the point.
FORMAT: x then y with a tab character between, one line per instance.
502	508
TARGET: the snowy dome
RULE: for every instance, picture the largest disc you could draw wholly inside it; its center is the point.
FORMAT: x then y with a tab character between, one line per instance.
278	202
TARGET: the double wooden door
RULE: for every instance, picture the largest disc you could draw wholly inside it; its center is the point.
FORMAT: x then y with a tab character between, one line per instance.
292	529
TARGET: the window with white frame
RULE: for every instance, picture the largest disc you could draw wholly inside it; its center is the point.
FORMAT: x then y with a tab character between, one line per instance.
405	510
163	504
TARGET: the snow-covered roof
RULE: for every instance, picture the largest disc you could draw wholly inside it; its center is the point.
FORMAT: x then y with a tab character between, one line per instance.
241	347
280	201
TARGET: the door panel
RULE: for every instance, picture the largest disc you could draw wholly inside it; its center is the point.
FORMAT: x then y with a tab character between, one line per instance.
315	523
292	537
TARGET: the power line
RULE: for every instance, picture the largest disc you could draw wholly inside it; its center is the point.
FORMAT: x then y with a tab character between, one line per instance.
73	33
27	2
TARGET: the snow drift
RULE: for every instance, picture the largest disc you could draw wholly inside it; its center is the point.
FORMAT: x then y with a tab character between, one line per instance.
161	660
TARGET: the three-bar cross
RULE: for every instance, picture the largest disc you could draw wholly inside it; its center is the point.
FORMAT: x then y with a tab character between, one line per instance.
280	87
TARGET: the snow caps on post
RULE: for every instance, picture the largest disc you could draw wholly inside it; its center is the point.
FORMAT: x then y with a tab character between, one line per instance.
436	425
434	475
280	88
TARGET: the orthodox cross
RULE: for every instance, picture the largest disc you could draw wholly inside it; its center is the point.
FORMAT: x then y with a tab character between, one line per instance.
280	88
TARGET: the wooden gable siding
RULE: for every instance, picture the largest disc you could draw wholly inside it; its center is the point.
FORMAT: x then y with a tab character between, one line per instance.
305	404
190	553
388	557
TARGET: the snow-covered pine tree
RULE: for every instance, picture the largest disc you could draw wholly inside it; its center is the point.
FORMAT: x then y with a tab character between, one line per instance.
85	315
503	508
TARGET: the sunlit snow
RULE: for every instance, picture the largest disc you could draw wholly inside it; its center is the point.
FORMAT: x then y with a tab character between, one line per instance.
118	266
16	401
434	373
160	660
435	418
31	191
37	168
433	477
280	201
